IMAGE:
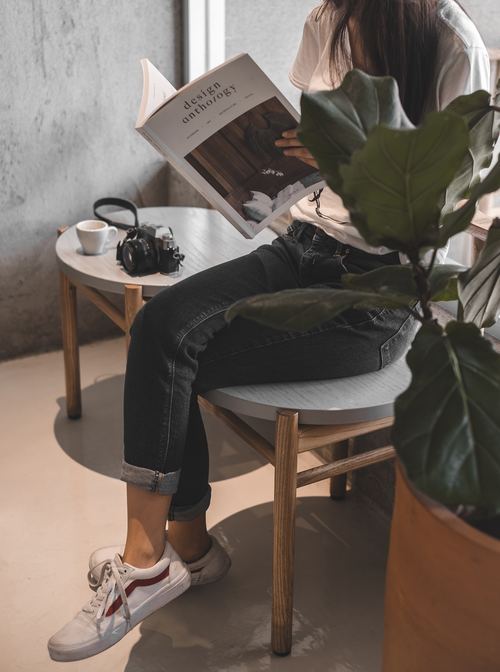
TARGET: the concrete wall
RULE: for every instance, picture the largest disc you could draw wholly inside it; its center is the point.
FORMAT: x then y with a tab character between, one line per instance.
70	91
71	86
486	15
270	32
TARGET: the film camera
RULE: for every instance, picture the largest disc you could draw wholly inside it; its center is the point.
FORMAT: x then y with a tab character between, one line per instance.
147	248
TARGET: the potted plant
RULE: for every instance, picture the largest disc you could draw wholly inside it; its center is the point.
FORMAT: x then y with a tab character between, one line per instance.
411	189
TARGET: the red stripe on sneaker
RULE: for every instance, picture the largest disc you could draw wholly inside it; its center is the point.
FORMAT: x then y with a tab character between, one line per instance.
132	586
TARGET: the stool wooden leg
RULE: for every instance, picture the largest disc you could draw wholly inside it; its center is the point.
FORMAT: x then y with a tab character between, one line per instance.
133	303
338	484
69	328
285	492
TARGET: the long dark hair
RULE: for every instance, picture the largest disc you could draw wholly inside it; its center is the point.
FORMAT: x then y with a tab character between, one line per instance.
399	38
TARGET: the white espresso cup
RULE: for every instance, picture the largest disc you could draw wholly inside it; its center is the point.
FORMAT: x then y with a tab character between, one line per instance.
93	234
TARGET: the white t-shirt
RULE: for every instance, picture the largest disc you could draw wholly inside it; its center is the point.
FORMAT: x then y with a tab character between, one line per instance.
462	67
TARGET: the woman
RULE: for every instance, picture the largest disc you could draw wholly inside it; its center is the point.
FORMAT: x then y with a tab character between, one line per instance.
182	346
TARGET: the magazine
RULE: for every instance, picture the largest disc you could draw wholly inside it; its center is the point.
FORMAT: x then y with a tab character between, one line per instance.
219	131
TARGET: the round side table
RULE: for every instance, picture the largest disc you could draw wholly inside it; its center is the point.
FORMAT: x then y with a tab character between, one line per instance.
204	236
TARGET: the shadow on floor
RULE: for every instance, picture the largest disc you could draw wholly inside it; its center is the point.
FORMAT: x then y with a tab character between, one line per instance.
96	439
225	627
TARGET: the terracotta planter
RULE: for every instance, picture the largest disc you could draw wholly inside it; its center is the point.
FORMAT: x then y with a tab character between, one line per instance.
442	601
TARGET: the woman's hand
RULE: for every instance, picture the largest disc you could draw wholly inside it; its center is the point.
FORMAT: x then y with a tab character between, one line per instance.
292	146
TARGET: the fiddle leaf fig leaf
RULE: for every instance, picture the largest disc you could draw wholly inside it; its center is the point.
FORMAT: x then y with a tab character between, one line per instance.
447	423
400	281
303	309
395	183
443	282
473	107
336	123
458	220
387	280
477	112
479	287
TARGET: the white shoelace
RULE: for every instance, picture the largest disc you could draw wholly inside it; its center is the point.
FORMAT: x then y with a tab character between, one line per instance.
93	582
110	582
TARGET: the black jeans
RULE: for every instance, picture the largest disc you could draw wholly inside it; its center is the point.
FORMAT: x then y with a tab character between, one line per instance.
181	346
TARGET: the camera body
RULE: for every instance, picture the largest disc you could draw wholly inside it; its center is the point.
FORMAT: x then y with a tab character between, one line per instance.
149	248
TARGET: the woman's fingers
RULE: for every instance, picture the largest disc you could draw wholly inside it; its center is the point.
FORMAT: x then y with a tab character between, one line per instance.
292	146
310	162
285	142
301	153
289	139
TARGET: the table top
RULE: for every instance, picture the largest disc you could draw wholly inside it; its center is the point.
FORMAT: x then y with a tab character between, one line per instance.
204	236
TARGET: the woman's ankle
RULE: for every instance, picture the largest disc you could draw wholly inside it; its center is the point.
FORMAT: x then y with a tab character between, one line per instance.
143	555
191	550
190	538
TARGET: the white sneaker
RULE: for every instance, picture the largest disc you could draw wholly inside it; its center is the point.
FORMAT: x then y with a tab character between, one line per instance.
214	565
125	597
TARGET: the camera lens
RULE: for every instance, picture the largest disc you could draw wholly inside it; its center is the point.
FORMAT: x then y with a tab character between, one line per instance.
128	258
139	256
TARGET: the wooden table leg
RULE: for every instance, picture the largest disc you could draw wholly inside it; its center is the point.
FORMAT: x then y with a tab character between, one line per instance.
133	303
69	328
285	493
338	484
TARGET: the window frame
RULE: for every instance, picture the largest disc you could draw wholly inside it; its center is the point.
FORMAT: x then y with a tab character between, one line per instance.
204	36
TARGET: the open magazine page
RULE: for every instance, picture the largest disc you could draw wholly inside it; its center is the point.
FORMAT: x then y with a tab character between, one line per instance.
219	132
156	89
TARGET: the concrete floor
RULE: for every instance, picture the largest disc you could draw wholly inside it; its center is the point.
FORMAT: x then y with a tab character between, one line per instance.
60	497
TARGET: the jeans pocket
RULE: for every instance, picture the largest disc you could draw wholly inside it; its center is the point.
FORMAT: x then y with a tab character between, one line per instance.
397	344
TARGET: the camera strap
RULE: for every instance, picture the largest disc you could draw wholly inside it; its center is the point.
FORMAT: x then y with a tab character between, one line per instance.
120	203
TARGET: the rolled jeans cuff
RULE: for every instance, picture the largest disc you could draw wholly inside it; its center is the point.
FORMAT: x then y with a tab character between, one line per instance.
190	511
149	479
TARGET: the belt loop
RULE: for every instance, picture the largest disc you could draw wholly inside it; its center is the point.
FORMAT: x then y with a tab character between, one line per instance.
296	229
302	228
